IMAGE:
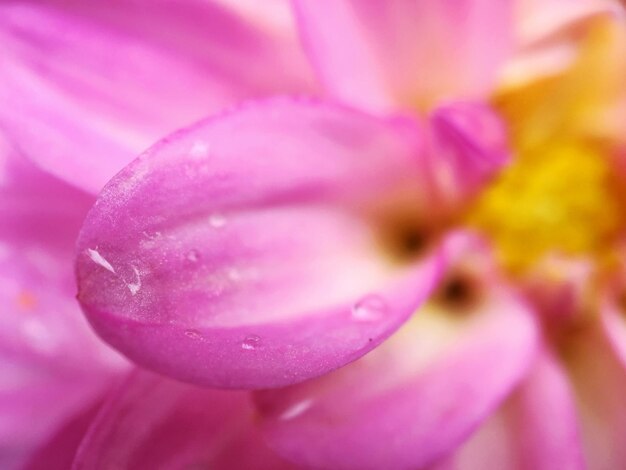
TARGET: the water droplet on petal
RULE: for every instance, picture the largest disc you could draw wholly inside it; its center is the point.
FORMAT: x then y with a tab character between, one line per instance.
370	308
217	220
194	334
296	410
97	258
251	342
134	286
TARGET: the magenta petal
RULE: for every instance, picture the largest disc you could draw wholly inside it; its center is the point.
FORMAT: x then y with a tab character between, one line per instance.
537	427
155	422
598	375
241	252
614	324
467	148
413	399
58	452
51	362
86	86
386	53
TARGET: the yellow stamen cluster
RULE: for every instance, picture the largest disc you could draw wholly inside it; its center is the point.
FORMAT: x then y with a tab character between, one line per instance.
556	199
560	194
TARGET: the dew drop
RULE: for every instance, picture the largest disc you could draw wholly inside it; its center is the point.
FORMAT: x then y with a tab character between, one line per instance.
217	220
97	258
370	308
134	286
251	342
296	410
194	334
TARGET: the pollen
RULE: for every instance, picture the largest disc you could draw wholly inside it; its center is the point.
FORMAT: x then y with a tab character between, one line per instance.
554	200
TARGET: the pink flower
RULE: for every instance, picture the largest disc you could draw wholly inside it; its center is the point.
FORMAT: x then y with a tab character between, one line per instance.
446	171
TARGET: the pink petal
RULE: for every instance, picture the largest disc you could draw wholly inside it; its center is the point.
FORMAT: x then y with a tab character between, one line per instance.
548	35
417	396
389	53
242	252
599	378
467	148
41	321
536	428
59	451
154	422
86	86
51	363
614	324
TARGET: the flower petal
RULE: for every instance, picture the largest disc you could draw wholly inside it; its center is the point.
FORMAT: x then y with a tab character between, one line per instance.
599	379
242	252
48	354
417	396
86	86
614	324
58	452
41	322
537	427
390	53
155	422
467	148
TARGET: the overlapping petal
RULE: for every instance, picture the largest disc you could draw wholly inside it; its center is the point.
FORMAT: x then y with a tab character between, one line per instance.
420	394
155	422
86	86
537	427
51	363
247	251
391	53
467	148
599	380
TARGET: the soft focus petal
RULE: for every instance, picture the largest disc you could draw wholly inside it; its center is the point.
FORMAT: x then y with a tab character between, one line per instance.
614	323
418	395
389	53
51	363
86	86
244	252
548	34
59	451
599	379
536	428
154	422
467	148
41	321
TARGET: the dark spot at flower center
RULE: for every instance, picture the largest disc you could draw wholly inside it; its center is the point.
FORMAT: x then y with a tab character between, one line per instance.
405	239
458	292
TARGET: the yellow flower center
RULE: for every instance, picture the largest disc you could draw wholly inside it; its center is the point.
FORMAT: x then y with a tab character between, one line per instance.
556	199
559	196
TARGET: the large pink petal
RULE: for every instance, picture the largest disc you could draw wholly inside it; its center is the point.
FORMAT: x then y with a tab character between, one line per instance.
86	86
51	363
155	422
245	252
537	427
58	452
389	53
41	322
416	397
